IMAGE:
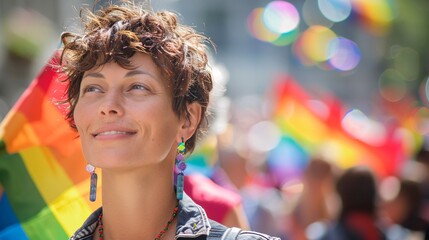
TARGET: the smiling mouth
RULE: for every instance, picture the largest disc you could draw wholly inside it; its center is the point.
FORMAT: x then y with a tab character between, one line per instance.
112	133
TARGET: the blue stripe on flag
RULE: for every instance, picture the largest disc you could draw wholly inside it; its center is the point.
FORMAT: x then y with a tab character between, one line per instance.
10	227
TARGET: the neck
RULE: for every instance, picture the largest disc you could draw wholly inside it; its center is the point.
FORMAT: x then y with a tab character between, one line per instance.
138	204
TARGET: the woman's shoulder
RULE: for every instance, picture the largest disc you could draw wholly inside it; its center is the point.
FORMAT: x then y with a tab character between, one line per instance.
219	231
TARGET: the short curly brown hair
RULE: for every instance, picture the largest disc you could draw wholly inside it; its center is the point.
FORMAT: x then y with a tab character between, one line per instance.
117	32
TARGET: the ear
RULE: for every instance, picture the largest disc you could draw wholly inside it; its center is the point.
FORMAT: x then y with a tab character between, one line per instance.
190	122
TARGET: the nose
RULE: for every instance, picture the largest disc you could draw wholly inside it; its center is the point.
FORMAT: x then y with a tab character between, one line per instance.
111	105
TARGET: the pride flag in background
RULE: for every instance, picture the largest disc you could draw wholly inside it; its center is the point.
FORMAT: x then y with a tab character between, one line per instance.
44	188
318	128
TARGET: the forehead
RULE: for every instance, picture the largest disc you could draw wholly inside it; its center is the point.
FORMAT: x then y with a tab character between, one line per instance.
138	63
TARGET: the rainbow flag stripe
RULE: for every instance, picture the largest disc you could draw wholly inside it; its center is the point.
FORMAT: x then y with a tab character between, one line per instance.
317	134
44	188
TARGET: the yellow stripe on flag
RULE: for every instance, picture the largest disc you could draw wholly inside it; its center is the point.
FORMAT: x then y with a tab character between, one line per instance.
58	191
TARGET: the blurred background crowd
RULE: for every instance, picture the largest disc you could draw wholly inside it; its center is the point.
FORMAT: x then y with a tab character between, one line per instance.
320	112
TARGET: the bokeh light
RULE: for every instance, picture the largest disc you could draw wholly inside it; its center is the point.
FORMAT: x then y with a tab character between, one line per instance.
257	27
376	15
286	38
316	230
378	11
392	85
277	23
389	188
281	16
314	43
312	16
422	116
345	54
264	136
406	61
335	10
424	91
358	125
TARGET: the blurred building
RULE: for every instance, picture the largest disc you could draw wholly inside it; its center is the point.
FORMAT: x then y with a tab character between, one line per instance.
252	64
29	34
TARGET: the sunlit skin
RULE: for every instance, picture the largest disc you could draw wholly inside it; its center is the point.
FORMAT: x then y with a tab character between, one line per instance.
128	129
125	117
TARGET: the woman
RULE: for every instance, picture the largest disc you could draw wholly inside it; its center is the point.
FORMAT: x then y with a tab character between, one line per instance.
138	91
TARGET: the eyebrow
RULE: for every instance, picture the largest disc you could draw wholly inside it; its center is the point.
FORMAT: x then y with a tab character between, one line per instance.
129	74
94	75
137	72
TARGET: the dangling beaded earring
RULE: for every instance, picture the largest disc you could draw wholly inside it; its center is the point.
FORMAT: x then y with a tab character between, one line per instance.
181	166
93	182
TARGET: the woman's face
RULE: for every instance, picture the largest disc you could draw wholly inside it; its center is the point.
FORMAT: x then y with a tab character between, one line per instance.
125	117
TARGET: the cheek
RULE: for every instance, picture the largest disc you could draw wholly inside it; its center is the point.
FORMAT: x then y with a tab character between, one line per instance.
165	126
79	117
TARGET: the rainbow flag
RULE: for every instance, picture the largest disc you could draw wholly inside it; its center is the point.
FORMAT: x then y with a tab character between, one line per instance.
318	130
44	188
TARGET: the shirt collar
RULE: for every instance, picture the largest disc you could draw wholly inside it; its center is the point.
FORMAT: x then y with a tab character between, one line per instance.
192	221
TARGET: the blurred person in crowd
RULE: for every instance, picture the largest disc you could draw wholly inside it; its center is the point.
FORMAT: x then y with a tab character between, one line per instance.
358	217
422	157
241	168
316	202
262	203
138	89
221	204
403	213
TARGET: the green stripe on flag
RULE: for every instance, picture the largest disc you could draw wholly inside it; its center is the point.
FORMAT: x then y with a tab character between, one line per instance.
25	199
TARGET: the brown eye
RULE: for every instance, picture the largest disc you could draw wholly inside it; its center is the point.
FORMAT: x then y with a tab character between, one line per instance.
91	88
138	87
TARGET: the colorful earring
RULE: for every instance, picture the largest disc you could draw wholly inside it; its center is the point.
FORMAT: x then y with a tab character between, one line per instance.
93	182
180	167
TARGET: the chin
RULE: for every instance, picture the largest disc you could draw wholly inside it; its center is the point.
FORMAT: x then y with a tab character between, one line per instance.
110	161
123	162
